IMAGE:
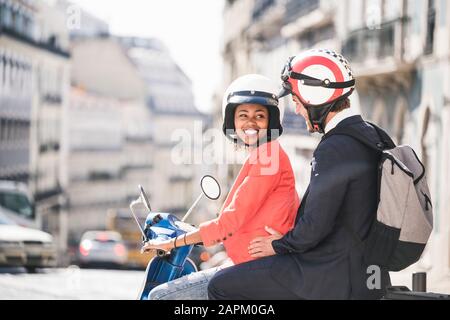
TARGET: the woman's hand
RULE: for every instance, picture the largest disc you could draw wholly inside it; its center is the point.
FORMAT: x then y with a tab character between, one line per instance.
165	245
262	246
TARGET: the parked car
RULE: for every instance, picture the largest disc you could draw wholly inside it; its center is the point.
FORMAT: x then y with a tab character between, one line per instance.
199	255
25	247
102	248
12	251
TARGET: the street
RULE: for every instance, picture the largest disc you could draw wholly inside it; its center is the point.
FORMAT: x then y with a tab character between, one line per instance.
95	284
70	284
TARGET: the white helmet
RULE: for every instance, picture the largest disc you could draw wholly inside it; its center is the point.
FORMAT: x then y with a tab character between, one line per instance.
253	89
319	78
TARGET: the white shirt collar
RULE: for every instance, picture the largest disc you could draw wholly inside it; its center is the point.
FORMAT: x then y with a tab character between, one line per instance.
340	116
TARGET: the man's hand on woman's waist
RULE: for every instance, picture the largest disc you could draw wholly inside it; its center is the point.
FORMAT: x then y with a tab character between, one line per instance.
262	246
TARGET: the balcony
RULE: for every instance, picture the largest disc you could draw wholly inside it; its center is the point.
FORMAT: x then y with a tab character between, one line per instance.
379	50
49	45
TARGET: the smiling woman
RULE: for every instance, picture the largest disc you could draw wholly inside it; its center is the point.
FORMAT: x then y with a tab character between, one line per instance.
250	104
262	195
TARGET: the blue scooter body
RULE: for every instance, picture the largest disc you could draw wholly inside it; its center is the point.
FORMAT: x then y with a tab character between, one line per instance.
165	266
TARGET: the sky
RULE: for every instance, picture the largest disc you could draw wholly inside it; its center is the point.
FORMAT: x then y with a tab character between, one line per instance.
191	29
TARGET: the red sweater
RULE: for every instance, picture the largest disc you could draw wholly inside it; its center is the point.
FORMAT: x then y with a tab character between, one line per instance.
263	195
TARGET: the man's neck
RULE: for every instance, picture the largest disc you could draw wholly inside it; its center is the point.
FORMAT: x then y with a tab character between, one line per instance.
334	118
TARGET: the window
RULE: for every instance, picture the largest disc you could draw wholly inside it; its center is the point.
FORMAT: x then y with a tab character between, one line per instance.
298	8
17	203
1	70
27	26
7	130
315	36
12	130
6	16
22	131
431	26
2	129
15	20
3	62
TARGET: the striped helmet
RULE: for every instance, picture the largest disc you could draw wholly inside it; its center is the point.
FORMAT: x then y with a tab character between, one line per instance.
318	77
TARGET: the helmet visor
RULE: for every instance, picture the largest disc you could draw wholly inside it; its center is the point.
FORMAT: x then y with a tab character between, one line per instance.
253	97
286	90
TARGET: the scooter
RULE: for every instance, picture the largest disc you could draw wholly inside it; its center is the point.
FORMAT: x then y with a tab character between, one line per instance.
168	266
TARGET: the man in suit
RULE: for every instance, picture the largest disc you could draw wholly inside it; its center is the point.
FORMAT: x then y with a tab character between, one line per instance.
322	256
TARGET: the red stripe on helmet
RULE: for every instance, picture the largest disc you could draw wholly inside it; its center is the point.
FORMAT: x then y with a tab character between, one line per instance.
300	66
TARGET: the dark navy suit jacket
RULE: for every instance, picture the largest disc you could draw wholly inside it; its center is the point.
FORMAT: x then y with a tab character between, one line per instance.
319	258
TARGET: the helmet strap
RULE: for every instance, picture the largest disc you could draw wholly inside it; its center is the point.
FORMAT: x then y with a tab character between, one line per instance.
318	114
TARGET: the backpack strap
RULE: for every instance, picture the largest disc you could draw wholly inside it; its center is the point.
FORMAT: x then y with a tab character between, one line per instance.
384	137
385	142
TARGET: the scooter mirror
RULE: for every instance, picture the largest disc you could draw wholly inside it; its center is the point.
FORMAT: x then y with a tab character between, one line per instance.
210	187
145	198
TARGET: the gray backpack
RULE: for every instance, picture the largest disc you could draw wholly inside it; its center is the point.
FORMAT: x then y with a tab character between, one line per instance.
404	218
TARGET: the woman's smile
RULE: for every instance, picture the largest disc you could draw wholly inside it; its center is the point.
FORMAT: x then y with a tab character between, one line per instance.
251	132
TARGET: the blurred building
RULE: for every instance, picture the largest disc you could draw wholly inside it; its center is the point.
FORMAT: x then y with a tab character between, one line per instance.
94	160
400	53
34	82
121	136
108	133
399	50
